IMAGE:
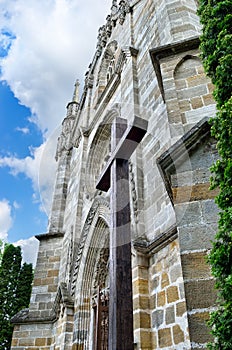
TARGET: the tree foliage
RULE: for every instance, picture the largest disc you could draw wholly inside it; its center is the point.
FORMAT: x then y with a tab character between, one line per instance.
15	290
216	46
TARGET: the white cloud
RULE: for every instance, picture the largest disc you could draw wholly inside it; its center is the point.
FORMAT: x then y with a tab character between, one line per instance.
40	167
29	246
53	45
29	249
16	205
6	220
23	130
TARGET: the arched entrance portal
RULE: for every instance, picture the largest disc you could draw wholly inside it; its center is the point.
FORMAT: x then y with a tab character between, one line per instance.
91	324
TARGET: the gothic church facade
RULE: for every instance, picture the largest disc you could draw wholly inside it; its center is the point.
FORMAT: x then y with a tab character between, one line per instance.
147	64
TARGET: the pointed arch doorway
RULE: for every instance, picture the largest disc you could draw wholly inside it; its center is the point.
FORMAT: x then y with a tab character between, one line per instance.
100	300
91	319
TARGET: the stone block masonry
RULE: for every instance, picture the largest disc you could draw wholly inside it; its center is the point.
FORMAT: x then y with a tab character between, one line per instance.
146	64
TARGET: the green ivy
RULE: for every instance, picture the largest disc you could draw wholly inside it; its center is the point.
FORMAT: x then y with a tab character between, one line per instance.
216	47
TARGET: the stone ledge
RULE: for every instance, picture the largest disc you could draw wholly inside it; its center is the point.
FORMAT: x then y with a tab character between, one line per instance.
27	316
49	235
157	244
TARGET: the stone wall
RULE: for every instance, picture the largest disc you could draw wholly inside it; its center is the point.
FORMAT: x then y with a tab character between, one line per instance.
146	64
169	311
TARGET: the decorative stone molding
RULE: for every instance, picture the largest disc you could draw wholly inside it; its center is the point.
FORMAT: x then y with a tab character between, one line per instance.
107	58
123	9
62	297
70	252
134	195
149	248
77	258
64	143
130	51
98	156
118	13
101	272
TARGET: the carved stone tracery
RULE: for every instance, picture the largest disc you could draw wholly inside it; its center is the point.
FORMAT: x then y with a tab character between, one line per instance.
118	13
99	202
101	270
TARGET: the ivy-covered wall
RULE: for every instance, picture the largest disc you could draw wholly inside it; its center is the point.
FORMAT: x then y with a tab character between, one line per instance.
216	46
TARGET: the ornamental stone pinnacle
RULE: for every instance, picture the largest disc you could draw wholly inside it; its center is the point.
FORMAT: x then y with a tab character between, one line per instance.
76	91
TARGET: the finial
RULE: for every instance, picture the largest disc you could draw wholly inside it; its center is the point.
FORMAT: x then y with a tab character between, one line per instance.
76	91
114	6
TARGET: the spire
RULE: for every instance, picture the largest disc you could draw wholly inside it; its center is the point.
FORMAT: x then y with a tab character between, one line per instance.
76	92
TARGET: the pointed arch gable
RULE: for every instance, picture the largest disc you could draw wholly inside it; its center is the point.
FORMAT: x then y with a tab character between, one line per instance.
99	148
91	258
108	62
89	236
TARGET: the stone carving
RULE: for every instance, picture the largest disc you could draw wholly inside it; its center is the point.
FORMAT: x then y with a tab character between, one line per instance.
118	13
114	8
133	192
109	25
107	66
101	272
99	201
102	39
68	268
124	8
63	299
64	143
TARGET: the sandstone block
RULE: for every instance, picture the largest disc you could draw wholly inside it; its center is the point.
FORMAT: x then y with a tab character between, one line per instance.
40	342
195	266
164	280
170	315
199	331
165	337
172	294
161	298
194	291
180	308
178	334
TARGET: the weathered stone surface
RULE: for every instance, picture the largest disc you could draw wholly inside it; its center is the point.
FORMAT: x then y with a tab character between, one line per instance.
161	298
199	331
178	334
180	308
165	338
195	266
172	294
157	318
170	315
194	291
173	216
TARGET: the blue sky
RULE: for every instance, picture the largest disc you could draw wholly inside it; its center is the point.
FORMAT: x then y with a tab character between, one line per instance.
44	48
